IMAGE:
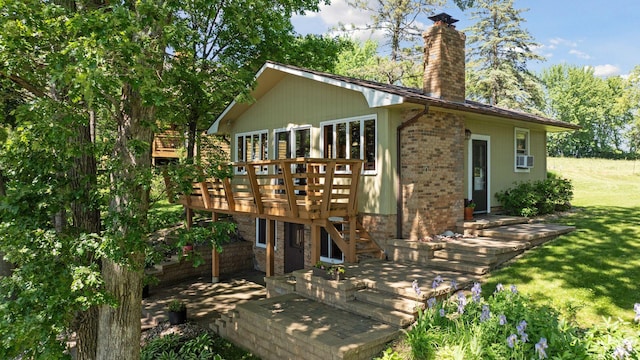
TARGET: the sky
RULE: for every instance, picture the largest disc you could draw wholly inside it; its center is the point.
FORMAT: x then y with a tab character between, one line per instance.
603	34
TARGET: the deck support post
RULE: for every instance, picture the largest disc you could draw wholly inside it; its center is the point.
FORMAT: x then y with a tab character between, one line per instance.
315	243
352	257
215	257
271	237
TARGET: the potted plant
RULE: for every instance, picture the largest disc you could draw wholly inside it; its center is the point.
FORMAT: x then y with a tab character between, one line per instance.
177	312
336	272
469	207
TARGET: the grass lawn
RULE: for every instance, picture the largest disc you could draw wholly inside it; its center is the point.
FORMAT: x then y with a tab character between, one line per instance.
595	270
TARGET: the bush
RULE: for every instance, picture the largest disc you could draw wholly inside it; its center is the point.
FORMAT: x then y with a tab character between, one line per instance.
507	325
203	346
537	197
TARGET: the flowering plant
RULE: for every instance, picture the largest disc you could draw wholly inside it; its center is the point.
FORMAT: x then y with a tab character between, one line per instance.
469	203
332	269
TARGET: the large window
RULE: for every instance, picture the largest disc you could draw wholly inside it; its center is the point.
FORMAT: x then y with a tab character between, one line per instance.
353	138
329	251
252	146
522	150
261	233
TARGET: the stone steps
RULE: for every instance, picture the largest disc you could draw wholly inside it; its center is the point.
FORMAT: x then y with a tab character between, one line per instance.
388	300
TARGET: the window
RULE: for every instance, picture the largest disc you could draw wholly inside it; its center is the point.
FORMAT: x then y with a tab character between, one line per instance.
353	138
522	150
329	251
252	147
261	234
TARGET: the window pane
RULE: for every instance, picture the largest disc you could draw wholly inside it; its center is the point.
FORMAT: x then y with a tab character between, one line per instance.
303	143
264	147
240	144
341	141
324	243
354	132
283	149
247	151
261	231
328	142
521	143
370	145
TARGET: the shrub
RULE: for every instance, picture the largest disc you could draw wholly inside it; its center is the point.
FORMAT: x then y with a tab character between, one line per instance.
203	346
537	197
507	325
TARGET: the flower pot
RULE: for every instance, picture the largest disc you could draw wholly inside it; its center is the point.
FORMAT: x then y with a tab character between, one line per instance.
468	213
145	291
177	317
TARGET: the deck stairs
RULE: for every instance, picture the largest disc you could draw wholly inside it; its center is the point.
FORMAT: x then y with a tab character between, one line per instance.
486	243
366	247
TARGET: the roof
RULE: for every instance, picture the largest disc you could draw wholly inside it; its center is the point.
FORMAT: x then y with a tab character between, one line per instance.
380	95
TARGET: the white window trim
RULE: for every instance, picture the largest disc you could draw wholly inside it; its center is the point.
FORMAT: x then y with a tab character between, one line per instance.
275	239
243	135
292	133
515	149
362	118
486	138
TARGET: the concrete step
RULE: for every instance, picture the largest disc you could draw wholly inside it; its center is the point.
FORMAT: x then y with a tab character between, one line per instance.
378	313
488	221
527	232
485	245
456	265
466	256
388	300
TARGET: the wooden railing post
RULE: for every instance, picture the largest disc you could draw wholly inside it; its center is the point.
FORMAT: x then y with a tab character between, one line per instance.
271	239
255	187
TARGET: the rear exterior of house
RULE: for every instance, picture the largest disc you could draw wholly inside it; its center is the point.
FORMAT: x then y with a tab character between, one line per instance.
423	152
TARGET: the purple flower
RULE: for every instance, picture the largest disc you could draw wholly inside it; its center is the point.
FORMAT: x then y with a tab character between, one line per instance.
442	312
437	281
486	313
512	340
620	353
416	288
476	290
540	347
502	319
524	337
431	302
462	302
454	285
636	308
628	344
499	287
522	326
514	289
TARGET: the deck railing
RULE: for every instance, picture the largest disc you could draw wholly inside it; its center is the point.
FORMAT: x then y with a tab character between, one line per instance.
287	189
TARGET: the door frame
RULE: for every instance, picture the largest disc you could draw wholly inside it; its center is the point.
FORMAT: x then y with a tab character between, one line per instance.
486	138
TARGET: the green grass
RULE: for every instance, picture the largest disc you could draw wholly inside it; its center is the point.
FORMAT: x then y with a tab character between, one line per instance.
596	269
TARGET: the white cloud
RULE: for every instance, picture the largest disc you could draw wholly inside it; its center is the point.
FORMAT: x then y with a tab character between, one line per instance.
580	54
555	42
605	70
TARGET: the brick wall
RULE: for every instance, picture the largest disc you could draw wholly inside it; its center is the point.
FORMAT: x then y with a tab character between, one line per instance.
235	257
444	63
432	174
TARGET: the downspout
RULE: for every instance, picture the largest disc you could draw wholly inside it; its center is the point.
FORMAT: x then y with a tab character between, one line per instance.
400	194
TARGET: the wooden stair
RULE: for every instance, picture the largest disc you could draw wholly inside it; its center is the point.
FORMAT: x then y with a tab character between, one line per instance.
366	247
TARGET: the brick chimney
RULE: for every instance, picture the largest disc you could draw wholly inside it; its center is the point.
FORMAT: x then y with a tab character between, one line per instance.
444	60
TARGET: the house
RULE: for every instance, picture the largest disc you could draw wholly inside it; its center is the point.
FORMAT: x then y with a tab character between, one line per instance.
422	151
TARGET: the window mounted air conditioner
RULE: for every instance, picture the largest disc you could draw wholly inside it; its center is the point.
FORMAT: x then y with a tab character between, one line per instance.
524	161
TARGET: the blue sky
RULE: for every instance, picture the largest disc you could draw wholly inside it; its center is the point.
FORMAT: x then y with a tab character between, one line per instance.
603	34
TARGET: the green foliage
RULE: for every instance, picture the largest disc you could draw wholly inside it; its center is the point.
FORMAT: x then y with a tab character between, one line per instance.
534	198
606	109
218	234
507	325
203	346
498	52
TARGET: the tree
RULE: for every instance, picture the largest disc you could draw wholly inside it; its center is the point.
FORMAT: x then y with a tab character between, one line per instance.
399	21
499	50
92	76
363	62
220	53
604	108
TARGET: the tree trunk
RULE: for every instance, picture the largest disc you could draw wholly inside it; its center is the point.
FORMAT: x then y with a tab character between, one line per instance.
119	327
86	219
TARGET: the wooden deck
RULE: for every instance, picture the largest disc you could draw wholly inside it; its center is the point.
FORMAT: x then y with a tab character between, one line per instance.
311	191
